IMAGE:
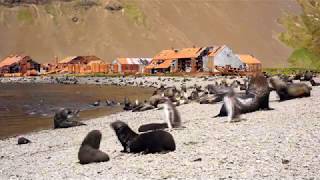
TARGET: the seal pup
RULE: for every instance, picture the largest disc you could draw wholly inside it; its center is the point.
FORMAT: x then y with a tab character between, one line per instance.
172	119
256	98
290	91
64	118
23	140
149	142
89	150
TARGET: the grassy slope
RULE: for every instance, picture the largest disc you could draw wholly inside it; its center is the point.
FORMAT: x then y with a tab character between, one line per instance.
145	28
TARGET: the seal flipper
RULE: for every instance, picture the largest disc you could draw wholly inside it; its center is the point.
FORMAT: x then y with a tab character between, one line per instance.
222	113
152	127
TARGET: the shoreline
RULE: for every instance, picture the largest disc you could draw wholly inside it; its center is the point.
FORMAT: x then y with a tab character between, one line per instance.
207	148
29	107
48	124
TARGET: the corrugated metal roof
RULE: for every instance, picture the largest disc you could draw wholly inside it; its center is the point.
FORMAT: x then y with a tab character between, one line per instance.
67	59
248	59
164	65
11	60
178	54
96	62
140	61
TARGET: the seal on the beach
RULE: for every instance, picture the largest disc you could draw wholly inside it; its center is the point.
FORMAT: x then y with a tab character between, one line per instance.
155	100
314	83
172	118
256	98
23	140
194	96
127	104
64	118
149	142
308	75
287	91
89	150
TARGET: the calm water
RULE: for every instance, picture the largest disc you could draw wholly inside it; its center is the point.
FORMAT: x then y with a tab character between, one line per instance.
30	107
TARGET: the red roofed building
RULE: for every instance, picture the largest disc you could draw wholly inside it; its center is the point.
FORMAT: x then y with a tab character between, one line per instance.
175	60
130	65
82	65
252	64
19	65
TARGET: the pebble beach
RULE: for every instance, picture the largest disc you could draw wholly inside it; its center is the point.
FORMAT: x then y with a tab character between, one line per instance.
283	143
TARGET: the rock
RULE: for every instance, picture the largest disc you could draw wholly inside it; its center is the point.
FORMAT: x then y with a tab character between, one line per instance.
23	140
114	5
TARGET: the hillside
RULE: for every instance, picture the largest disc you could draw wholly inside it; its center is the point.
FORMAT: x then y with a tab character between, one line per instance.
143	28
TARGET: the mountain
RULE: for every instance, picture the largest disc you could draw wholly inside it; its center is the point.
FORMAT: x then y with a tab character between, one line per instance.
143	28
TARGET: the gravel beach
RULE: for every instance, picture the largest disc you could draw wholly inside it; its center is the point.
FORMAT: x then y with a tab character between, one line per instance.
283	143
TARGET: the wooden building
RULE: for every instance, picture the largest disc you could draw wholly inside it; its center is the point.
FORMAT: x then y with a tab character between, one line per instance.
212	59
130	65
251	64
82	65
220	57
187	60
19	65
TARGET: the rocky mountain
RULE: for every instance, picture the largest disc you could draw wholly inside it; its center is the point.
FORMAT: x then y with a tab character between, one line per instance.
141	28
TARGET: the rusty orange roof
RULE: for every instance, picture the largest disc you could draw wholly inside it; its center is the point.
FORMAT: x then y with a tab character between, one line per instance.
176	54
248	59
67	59
165	64
96	62
11	60
150	66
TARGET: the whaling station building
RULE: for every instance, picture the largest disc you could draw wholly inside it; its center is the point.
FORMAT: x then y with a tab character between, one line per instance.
19	65
82	65
215	60
196	60
130	65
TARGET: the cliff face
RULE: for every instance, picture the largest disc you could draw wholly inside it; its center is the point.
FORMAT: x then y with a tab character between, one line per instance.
143	28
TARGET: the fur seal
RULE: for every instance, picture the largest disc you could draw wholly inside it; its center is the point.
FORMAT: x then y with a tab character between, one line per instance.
64	118
194	96
314	83
308	75
23	140
155	100
149	142
172	118
127	104
256	98
89	150
290	91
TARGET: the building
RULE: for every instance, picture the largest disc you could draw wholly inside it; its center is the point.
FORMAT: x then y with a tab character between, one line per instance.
221	57
19	65
189	60
251	64
82	65
130	65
